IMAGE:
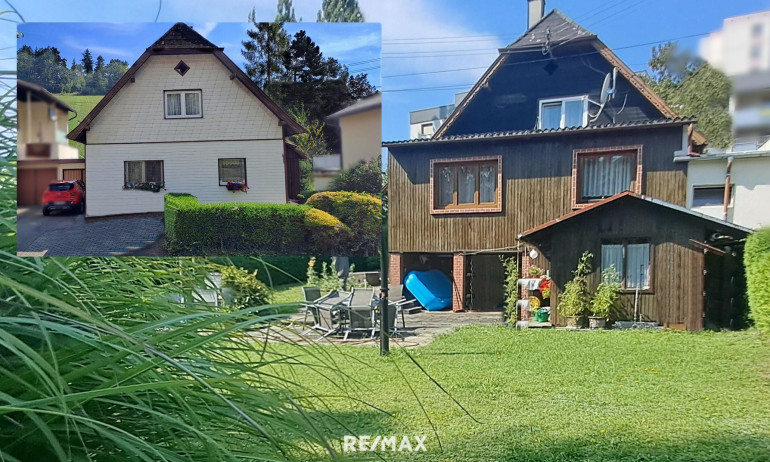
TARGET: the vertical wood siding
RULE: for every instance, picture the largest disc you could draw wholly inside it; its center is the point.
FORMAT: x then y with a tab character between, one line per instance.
537	179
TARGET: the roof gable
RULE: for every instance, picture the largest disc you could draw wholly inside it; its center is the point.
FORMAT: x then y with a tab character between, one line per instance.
182	39
554	41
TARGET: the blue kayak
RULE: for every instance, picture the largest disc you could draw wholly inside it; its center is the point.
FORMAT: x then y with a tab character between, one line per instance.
432	289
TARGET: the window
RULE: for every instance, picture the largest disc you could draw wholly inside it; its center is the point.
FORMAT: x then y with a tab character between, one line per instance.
706	196
143	171
563	113
426	130
467	185
232	171
183	104
601	173
632	262
756	30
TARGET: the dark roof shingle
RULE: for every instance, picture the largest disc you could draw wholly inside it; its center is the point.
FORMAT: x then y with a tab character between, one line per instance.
182	36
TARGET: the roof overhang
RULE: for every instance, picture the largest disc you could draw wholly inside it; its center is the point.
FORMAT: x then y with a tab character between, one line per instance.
26	91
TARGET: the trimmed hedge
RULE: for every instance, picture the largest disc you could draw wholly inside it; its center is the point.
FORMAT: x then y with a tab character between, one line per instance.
756	258
245	228
362	213
275	271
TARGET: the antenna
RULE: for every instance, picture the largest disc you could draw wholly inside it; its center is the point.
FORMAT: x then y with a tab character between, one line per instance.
606	90
607	93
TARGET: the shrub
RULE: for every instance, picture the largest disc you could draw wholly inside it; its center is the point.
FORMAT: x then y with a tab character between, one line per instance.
362	213
575	300
606	293
363	177
756	258
511	288
239	228
247	291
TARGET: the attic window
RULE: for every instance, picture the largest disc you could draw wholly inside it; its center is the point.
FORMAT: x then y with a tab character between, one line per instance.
563	113
182	68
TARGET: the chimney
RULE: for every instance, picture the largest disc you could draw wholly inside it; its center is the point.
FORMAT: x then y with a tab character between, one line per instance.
535	12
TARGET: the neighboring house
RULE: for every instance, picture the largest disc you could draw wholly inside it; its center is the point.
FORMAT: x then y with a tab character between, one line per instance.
733	186
184	118
533	144
359	133
44	154
741	49
423	123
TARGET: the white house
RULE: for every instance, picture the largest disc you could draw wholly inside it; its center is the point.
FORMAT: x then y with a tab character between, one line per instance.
733	186
424	123
185	118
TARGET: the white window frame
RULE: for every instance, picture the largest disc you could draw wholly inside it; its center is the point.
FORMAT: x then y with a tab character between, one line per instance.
428	125
182	94
713	186
562	121
144	170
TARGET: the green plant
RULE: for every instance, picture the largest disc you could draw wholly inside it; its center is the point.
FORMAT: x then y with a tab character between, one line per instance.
326	278
535	272
363	177
756	259
238	228
575	300
606	293
362	213
247	290
510	288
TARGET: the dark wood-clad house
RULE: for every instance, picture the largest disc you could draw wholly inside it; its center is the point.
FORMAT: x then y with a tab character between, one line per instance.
558	125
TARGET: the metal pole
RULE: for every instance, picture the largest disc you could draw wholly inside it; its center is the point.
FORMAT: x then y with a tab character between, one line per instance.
384	263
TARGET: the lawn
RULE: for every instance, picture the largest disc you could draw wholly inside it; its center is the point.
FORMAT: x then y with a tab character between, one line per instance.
559	395
83	105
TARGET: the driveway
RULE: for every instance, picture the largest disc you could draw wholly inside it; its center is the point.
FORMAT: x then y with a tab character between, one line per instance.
67	234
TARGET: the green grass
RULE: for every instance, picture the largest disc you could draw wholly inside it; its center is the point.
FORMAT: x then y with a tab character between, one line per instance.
557	395
83	105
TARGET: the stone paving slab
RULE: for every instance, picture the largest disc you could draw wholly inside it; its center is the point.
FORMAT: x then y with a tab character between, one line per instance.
73	235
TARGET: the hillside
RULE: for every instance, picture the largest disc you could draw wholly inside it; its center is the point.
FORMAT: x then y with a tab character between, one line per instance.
83	105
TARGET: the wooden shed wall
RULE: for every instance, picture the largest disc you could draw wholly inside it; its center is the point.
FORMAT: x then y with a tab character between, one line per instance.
677	266
537	180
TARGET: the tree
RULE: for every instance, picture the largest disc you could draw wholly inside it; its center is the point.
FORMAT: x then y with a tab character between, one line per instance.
264	50
285	12
87	61
312	143
693	88
363	177
99	64
359	87
340	11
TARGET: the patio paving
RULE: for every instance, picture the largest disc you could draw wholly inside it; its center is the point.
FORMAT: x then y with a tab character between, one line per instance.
421	328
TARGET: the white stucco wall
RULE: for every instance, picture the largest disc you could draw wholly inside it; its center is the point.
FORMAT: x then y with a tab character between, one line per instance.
190	167
750	178
235	124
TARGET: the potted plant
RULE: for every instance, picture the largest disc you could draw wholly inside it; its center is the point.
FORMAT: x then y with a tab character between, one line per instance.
235	186
606	295
535	272
575	299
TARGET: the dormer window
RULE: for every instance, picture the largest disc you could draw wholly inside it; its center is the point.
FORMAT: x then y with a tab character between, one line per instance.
182	104
563	113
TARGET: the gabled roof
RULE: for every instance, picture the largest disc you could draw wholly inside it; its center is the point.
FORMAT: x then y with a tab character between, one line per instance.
553	28
628	195
181	38
556	28
541	132
34	92
364	104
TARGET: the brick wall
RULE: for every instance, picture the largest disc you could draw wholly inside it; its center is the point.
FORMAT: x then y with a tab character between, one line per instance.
458	282
395	270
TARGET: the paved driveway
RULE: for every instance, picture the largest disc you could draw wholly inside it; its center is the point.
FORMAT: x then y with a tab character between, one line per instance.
67	234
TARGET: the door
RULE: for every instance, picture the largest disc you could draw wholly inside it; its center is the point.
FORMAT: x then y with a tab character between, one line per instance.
74	174
31	183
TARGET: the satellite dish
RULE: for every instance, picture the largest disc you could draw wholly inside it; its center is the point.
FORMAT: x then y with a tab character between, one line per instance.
606	94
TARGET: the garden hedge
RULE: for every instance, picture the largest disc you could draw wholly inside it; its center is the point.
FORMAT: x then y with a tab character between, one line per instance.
756	258
246	228
275	271
362	213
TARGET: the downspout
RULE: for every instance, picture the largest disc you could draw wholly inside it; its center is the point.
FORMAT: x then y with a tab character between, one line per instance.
728	193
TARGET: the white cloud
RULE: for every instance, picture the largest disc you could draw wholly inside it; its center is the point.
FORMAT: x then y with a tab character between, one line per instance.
350	43
111	52
422	18
205	28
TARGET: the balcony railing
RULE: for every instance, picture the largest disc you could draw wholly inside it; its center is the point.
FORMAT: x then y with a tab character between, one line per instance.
328	163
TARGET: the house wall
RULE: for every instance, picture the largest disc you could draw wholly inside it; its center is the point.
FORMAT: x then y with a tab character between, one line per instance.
537	183
751	191
189	167
361	137
34	126
677	265
136	113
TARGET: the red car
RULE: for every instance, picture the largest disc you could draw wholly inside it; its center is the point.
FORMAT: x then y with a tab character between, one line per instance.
65	195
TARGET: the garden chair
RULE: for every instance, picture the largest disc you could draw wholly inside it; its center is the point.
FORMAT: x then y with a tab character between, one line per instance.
311	294
396	299
359	313
327	313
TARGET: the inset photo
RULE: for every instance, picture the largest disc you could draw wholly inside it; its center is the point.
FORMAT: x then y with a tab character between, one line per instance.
217	139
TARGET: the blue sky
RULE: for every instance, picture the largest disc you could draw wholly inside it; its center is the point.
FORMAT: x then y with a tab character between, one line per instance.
414	33
349	43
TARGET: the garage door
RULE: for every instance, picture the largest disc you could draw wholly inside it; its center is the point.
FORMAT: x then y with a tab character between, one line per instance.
31	184
74	174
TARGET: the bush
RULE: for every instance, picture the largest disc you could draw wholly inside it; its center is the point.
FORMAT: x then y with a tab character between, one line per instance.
239	228
756	258
276	271
247	291
606	293
362	213
575	300
363	177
